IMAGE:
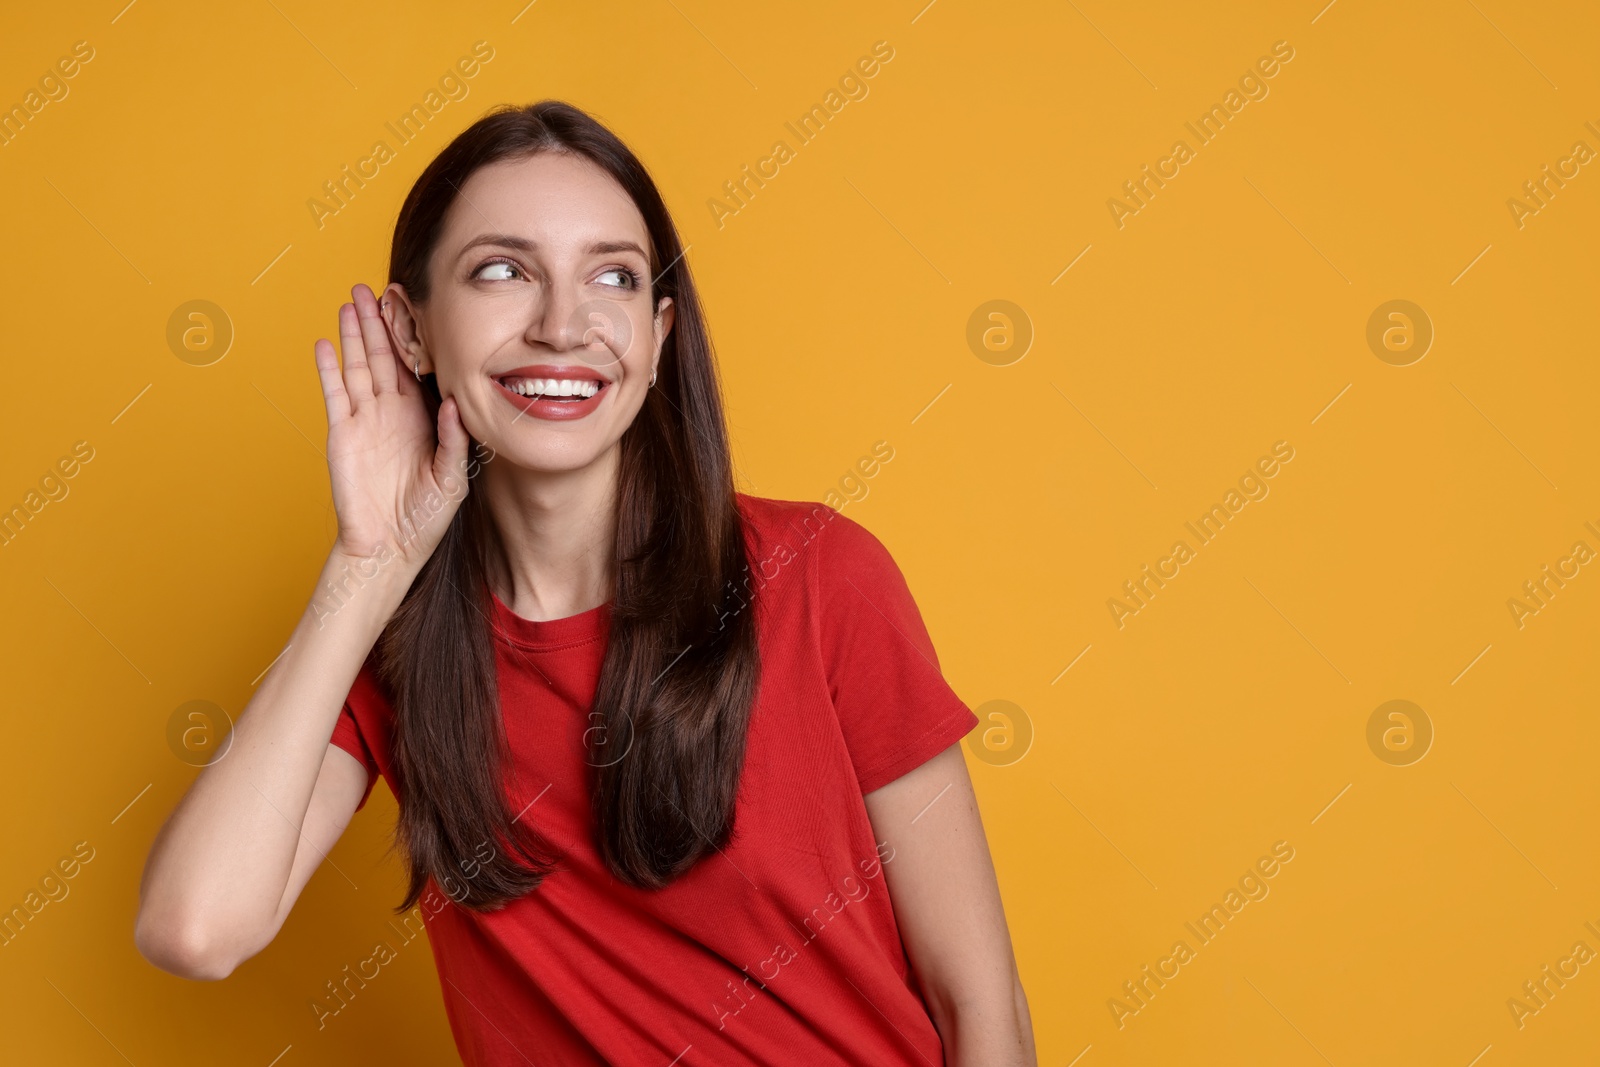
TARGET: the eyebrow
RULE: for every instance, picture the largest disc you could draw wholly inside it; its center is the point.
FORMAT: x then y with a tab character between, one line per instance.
523	244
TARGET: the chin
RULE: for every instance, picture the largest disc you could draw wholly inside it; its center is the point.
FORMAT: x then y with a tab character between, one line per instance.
549	457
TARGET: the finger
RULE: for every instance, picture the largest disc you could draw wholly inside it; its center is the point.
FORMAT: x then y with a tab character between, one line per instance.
408	386
375	336
450	459
357	376
334	397
406	382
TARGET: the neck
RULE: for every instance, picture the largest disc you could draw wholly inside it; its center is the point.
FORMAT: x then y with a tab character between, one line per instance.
557	536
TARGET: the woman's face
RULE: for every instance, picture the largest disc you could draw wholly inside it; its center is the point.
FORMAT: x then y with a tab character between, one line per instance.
539	321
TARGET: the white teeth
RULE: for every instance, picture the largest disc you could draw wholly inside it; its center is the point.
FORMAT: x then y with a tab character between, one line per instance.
553	387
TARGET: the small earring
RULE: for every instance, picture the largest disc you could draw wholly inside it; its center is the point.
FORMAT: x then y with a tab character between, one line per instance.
416	368
652	379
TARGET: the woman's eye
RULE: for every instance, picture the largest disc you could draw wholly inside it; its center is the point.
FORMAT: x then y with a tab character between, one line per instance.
630	280
497	272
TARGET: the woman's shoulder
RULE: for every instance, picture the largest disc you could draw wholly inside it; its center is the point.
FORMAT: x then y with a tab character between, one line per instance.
771	522
801	526
769	512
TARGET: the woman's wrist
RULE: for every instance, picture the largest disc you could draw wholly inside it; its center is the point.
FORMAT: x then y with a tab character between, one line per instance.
364	590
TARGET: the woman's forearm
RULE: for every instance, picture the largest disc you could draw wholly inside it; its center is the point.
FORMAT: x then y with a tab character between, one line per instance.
994	1030
217	872
1024	1022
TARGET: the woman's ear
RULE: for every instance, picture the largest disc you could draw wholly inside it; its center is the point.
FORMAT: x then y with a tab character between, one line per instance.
405	326
662	325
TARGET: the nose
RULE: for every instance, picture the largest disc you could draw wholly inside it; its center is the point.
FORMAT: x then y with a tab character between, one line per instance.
553	319
566	319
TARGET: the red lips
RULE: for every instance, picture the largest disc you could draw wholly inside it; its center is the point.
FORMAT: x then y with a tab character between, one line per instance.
548	407
577	373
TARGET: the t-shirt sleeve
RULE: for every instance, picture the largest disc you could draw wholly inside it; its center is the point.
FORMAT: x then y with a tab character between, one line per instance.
347	729
895	708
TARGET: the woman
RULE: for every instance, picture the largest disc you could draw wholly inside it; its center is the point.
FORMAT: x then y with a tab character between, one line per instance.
678	776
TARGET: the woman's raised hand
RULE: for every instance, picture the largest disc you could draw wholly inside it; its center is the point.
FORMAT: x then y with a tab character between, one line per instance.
397	479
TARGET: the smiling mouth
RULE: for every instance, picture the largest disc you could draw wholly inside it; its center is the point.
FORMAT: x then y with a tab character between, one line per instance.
568	390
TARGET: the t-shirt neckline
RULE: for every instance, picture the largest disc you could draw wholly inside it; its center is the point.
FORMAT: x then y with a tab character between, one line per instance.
545	634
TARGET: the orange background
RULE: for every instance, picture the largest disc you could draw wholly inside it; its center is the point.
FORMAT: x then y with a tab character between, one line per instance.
1229	313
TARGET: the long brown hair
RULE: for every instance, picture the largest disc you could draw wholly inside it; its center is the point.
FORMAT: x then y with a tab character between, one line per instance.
680	671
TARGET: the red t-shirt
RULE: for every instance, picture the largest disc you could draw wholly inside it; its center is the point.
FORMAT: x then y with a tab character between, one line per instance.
782	949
